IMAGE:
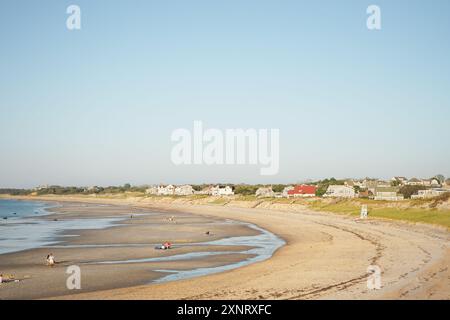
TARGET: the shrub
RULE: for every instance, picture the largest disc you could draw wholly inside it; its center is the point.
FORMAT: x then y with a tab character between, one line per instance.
408	191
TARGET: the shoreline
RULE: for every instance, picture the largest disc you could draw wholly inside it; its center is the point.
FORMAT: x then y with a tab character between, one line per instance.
325	257
193	254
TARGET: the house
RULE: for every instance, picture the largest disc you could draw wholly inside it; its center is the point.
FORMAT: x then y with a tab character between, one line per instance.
93	189
185	190
349	183
152	190
205	191
399	180
357	183
414	182
433	182
265	192
388	194
447	184
371	185
278	195
429	193
166	191
218	191
365	194
302	191
214	191
338	191
42	187
286	190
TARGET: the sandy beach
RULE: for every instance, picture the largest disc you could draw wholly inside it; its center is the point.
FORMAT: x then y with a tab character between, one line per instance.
102	254
326	256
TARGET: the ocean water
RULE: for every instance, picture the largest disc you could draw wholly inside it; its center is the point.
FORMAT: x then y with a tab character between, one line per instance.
14	209
21	227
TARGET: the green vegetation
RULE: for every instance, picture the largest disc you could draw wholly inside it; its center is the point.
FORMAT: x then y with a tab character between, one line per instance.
219	201
196	196
250	197
379	209
279	187
245	190
440	178
323	185
59	190
407	191
15	192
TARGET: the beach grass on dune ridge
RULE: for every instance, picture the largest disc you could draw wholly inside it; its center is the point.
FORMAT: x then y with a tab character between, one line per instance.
386	210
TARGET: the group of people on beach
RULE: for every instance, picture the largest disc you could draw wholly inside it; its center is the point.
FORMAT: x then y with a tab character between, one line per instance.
4	279
164	246
50	261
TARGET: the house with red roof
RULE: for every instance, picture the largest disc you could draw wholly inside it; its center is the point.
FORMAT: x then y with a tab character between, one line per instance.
302	191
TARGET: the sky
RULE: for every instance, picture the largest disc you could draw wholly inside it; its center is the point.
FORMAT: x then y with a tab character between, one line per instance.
97	106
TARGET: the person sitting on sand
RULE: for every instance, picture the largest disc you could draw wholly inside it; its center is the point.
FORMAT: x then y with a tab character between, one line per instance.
9	279
50	260
164	246
168	245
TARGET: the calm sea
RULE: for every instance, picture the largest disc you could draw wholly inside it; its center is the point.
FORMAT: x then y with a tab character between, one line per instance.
13	209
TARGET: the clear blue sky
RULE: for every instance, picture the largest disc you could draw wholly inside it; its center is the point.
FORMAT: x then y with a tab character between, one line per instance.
97	106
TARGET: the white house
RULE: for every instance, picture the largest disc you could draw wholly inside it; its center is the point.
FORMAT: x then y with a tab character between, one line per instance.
338	191
400	180
433	182
218	191
388	194
185	190
265	192
429	193
372	185
414	182
447	184
166	191
152	190
227	191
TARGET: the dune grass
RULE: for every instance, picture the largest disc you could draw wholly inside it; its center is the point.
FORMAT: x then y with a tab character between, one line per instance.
219	201
246	198
387	211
